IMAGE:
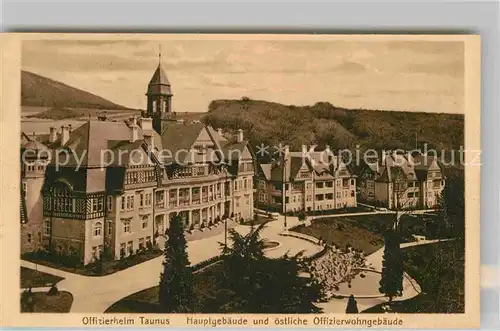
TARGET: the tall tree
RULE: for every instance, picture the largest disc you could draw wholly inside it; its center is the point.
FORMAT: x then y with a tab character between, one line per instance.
452	203
175	290
391	283
256	284
352	306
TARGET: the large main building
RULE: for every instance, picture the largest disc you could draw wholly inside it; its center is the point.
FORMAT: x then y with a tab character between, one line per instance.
116	185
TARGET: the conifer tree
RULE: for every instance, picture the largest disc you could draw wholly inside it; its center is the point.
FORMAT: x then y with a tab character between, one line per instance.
352	306
391	282
175	290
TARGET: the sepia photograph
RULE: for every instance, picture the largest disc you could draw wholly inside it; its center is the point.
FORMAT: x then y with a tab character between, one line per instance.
303	180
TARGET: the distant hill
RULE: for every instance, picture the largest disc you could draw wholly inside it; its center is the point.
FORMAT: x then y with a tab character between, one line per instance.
39	91
324	124
58	114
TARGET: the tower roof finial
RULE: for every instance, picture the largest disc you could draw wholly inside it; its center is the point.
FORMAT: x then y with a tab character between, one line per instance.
159	54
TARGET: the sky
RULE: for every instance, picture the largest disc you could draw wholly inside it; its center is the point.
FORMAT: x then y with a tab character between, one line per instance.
387	75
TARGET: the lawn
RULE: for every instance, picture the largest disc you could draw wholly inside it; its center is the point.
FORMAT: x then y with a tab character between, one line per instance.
34	278
59	303
93	269
204	287
439	270
364	232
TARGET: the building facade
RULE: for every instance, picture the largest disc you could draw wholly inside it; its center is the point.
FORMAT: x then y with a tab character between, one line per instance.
305	181
114	186
398	180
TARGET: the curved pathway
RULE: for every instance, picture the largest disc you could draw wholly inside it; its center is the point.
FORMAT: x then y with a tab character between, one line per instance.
410	286
96	294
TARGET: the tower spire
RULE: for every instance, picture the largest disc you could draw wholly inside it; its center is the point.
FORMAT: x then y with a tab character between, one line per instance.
159	55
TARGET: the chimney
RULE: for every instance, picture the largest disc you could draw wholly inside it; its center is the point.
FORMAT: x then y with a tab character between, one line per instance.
146	124
219	131
133	121
64	134
52	134
70	128
240	135
287	150
134	133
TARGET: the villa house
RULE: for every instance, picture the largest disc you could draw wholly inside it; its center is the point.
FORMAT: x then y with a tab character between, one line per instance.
399	180
305	181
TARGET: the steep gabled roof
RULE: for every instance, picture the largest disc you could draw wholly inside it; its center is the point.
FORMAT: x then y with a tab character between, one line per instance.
177	137
159	83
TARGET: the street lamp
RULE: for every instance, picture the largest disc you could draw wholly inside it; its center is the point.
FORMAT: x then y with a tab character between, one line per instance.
284	190
226	193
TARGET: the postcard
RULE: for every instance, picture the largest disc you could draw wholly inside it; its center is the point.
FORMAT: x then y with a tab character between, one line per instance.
239	180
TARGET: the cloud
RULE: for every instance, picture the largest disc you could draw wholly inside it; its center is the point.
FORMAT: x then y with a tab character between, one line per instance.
455	68
348	67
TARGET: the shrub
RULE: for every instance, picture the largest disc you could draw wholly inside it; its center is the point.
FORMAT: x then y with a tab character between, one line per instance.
53	290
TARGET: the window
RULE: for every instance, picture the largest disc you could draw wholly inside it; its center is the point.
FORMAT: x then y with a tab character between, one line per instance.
329	184
319	197
110	228
160	198
245	183
109	203
309	186
236	185
149	198
309	198
126	226
410	194
416	194
145	222
97	230
47	227
287	199
94	252
123	203
319	185
262	184
100	204
141	200
148	240
141	243
352	193
130	247
352	182
329	196
25	187
339	195
29	238
338	183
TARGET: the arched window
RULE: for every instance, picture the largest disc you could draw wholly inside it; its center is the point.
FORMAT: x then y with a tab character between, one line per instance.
97	230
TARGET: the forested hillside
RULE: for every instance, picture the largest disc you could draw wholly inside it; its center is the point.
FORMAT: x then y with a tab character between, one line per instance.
325	124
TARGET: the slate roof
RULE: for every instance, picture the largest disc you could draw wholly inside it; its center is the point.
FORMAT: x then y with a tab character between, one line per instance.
159	83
